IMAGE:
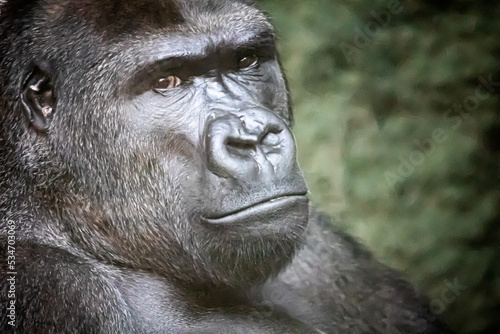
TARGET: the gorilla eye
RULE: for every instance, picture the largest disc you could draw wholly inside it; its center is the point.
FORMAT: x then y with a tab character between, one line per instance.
168	82
248	61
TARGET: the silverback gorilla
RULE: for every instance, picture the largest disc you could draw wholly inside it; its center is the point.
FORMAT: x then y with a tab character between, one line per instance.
149	183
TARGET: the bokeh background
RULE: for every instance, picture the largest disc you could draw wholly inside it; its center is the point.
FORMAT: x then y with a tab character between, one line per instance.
398	126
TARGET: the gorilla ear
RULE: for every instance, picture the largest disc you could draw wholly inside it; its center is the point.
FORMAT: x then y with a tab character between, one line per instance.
38	99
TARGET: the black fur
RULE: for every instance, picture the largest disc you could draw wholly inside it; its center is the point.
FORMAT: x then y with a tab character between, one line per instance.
124	216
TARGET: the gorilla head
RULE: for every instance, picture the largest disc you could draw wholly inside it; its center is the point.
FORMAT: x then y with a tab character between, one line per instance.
154	135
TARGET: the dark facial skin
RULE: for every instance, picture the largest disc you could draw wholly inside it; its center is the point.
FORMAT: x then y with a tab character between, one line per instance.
148	165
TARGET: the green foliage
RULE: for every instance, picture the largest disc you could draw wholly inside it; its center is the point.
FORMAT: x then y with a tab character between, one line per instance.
394	134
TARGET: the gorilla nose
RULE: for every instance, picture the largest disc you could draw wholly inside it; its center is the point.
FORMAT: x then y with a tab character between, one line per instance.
249	145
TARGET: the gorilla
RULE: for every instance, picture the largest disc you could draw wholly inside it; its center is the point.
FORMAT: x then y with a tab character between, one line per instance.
149	183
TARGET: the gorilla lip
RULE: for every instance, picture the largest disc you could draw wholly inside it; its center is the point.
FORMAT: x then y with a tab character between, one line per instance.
259	210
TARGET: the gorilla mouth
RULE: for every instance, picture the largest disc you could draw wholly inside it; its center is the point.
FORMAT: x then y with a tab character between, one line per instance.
260	211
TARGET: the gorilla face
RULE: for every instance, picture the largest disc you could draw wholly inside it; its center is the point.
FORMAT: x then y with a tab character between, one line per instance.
175	144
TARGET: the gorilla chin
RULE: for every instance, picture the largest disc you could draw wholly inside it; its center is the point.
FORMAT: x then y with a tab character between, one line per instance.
247	247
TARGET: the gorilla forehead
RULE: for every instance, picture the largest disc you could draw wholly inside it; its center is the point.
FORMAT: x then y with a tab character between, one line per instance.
129	16
145	29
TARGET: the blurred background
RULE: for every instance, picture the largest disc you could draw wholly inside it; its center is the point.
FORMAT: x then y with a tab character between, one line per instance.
398	126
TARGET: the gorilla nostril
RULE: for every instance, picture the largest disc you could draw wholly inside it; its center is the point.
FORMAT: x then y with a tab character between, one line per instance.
241	145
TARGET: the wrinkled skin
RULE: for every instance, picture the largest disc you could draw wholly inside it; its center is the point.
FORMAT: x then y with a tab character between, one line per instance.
149	182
